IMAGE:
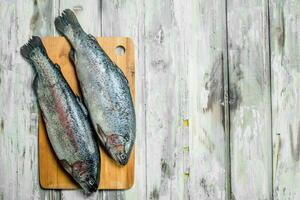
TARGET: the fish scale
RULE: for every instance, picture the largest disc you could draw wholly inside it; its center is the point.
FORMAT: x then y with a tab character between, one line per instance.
68	127
105	89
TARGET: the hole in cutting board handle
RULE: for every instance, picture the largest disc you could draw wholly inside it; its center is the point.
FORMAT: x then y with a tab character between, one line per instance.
120	50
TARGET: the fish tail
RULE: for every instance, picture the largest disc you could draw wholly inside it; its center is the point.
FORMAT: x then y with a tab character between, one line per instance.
67	24
27	50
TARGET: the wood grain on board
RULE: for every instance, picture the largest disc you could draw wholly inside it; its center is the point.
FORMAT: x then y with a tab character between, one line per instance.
113	176
285	47
249	99
206	58
18	110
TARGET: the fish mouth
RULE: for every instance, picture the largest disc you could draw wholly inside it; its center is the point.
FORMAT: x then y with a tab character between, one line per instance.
122	158
118	147
89	186
119	154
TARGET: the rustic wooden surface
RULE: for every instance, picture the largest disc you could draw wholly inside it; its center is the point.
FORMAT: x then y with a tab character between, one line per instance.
113	176
285	43
217	88
249	92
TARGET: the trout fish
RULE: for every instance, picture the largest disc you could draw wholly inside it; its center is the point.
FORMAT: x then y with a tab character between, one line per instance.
69	130
105	89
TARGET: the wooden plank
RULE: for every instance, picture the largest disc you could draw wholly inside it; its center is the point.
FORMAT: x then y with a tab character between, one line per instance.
206	55
126	18
285	42
113	176
200	80
177	168
164	144
18	134
183	100
250	109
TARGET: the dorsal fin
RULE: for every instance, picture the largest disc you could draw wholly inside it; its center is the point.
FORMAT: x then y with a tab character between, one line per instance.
57	66
72	55
35	82
92	37
82	106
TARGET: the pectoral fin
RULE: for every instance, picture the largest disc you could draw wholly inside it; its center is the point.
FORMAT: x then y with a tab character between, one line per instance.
66	165
101	134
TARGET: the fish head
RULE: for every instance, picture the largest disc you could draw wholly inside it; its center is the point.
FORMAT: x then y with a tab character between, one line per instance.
117	145
86	176
119	148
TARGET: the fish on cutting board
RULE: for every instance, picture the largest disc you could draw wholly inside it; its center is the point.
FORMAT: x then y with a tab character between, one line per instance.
105	89
67	123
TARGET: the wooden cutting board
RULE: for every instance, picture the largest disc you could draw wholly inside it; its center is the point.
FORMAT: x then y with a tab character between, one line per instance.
113	176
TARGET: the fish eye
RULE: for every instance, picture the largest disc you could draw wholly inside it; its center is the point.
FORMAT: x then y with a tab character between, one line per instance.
91	182
123	156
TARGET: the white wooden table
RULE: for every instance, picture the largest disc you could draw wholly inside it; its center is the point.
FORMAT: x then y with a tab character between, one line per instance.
218	96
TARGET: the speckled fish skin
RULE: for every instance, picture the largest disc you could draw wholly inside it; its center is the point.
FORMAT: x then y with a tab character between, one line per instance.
68	128
105	89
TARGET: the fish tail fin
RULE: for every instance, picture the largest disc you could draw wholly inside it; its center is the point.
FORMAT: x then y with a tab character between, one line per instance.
34	43
67	24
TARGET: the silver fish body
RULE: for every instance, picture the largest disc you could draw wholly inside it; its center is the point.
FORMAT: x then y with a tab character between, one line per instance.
104	87
68	127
